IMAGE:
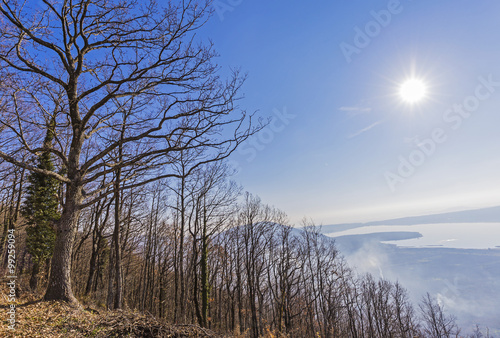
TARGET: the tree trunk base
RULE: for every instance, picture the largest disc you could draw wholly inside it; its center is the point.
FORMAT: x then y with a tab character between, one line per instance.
70	300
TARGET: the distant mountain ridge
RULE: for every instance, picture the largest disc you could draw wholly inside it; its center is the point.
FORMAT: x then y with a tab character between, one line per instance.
484	215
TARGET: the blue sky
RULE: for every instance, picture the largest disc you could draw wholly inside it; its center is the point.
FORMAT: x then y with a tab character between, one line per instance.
340	130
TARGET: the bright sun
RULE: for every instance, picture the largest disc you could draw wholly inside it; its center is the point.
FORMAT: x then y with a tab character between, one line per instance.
412	90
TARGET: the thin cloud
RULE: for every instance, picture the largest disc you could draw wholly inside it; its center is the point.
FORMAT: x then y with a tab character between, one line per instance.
355	110
371	126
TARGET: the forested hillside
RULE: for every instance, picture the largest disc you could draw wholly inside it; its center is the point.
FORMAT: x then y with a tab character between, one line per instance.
193	254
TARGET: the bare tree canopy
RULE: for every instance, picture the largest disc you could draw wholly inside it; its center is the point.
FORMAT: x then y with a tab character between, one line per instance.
117	76
91	62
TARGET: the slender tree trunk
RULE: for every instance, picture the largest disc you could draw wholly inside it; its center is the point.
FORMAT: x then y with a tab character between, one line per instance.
47	267
97	248
118	299
176	273
204	271
181	256
239	285
195	286
19	196
111	278
162	290
92	268
22	260
34	275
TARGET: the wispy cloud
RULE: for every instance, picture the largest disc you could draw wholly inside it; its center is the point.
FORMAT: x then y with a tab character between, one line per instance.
359	132
355	110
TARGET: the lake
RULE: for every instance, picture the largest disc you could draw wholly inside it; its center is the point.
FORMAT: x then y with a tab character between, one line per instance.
446	235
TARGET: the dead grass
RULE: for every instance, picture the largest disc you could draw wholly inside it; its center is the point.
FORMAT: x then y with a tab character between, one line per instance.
35	318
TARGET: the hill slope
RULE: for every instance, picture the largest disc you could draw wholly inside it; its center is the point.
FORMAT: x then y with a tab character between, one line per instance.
58	319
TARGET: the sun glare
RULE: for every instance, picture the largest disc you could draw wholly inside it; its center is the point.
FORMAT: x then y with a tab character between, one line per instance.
412	91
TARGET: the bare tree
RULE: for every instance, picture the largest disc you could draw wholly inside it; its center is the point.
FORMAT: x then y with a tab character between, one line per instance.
218	201
435	322
92	59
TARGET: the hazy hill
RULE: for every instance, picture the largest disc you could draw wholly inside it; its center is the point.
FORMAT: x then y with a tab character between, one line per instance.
485	215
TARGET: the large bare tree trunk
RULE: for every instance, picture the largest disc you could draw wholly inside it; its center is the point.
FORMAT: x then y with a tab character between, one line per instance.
59	287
